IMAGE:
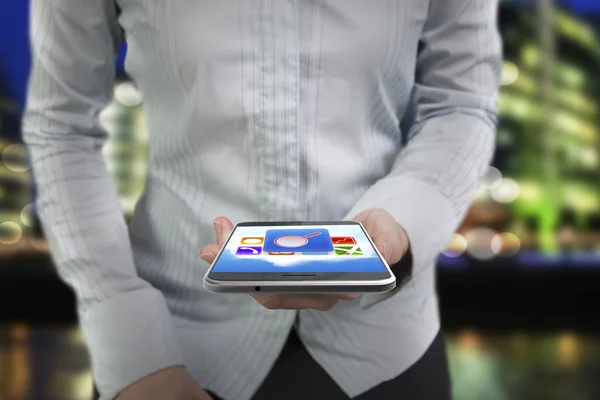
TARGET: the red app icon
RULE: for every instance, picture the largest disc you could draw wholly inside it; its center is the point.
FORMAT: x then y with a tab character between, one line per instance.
343	240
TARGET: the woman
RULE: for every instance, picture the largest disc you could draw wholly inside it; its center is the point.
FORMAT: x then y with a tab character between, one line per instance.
260	110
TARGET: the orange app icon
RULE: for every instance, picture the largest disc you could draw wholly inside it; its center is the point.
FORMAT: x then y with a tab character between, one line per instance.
252	240
281	254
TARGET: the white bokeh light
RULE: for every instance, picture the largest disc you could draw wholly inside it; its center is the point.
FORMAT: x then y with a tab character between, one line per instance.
27	215
589	157
479	243
481	194
492	178
108	117
506	192
128	95
510	73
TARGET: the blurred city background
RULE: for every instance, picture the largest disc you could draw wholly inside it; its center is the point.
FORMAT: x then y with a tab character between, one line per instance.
518	282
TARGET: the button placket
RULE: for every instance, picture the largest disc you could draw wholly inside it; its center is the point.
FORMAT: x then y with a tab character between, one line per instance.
278	129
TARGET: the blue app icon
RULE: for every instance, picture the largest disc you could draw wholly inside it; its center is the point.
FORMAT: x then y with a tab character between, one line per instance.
298	240
249	251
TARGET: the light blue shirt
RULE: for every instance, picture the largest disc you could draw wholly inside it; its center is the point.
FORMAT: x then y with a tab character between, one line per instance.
257	110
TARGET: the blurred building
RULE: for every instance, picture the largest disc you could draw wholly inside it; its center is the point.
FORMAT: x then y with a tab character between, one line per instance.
545	185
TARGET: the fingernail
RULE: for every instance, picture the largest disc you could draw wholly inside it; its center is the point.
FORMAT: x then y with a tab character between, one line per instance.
384	249
217	226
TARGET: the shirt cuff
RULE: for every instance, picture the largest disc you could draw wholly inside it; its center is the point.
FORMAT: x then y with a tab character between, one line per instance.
425	214
129	337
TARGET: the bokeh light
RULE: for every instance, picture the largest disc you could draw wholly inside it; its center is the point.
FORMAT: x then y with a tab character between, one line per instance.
19	359
456	247
492	178
589	158
76	337
469	340
506	192
19	333
481	194
568	350
83	383
505	137
571	75
479	243
13	232
530	191
108	118
65	384
27	215
531	55
128	95
510	73
139	169
568	236
14	158
506	244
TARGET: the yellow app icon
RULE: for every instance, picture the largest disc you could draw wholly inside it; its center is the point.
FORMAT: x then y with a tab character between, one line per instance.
252	240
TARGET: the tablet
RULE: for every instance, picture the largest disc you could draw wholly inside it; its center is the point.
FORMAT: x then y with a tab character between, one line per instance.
299	257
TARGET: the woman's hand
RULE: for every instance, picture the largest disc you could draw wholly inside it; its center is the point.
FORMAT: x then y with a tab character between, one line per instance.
388	235
173	383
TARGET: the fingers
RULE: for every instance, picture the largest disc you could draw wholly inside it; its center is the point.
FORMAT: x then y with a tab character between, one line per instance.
349	296
297	302
386	249
388	236
209	252
391	246
223	228
321	302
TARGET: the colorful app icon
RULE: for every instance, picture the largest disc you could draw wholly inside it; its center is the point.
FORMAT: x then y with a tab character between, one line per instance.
343	240
348	251
281	253
249	251
298	240
252	241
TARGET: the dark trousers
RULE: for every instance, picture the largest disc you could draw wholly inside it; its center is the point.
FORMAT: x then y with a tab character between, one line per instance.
427	379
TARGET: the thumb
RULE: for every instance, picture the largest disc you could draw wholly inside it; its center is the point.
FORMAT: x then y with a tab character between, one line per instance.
389	244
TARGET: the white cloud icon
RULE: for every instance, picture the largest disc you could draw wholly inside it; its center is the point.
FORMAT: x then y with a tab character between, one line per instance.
292	260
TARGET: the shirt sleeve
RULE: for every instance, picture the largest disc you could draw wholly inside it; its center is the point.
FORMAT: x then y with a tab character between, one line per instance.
125	320
452	140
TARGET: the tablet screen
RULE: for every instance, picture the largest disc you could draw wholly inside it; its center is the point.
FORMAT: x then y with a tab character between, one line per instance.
341	248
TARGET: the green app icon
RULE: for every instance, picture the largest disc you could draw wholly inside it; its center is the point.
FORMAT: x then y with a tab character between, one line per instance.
348	250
